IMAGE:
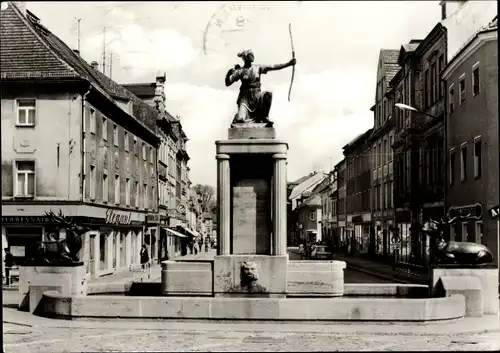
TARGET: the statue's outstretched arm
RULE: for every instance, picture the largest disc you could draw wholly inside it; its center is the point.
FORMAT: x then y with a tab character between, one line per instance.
266	68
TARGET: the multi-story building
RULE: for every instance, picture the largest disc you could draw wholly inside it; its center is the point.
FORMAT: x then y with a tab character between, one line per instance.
329	207
72	140
173	178
381	141
358	193
406	148
472	127
340	196
430	99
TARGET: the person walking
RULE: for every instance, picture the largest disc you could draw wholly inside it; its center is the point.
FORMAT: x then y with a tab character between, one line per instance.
9	263
144	257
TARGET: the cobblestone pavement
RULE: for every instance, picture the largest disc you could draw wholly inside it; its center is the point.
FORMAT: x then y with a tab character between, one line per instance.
25	339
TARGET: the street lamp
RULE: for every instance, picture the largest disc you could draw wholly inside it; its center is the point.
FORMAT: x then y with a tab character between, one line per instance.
412	109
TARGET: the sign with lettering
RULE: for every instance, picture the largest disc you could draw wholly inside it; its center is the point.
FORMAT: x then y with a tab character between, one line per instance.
26	219
153	218
474	211
494	211
118	217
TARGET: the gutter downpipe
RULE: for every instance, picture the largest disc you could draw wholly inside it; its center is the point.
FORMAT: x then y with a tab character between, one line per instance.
82	143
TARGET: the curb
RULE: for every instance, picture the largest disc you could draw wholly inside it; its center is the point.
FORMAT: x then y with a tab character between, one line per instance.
376	274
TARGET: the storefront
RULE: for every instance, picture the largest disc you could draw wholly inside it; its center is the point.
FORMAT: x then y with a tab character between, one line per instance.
113	243
362	225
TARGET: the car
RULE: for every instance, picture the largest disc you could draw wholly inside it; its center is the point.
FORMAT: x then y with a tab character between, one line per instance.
321	252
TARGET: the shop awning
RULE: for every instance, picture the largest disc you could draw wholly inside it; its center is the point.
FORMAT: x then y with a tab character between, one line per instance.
192	232
174	233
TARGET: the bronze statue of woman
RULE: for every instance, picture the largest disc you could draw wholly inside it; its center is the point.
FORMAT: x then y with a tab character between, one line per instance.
253	104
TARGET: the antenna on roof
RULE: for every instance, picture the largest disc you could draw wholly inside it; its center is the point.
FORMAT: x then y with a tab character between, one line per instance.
104	51
78	33
110	64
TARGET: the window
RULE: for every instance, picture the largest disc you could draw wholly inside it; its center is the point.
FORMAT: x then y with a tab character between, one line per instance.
463	162
391	152
379	120
461	88
136	151
105	186
146	205
434	82
151	155
144	151
115	135
137	194
26	109
92	121
127	191
477	157
452	232
452	166
104	128
385	151
92	183
25	178
152	197
426	89
451	99
117	189
479	232
312	216
440	69
475	79
465	234
127	141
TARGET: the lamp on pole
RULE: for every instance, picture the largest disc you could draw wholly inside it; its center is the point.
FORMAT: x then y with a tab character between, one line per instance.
411	109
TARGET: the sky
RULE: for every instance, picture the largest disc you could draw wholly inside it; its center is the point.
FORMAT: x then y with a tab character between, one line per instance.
337	45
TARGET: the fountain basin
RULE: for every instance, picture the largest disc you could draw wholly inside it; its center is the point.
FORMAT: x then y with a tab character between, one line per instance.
54	304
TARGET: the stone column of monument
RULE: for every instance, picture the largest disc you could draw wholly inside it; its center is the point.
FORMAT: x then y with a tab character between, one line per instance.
279	204
224	204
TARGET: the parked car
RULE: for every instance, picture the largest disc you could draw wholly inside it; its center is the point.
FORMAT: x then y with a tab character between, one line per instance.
321	252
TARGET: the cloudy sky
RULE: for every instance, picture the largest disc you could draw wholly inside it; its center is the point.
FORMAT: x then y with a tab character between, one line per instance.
336	44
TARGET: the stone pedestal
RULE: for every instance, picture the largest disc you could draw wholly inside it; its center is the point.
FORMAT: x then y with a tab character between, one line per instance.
34	280
488	277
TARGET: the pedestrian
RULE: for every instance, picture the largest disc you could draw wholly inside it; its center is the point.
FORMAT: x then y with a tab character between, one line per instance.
302	252
9	263
196	247
144	257
206	244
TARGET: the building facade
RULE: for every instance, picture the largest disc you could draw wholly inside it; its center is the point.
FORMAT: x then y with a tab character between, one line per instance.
472	127
77	142
381	140
328	194
358	194
340	195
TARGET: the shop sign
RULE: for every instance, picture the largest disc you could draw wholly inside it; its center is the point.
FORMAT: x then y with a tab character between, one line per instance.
118	217
153	218
494	211
26	219
475	211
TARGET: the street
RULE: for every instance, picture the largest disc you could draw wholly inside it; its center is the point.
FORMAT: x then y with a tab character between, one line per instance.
196	337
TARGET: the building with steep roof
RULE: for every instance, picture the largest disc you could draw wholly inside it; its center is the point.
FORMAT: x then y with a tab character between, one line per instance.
76	141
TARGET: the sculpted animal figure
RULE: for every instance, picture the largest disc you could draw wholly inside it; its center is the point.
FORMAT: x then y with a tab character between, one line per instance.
455	252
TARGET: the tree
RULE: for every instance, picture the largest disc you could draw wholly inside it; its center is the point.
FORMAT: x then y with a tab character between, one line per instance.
207	196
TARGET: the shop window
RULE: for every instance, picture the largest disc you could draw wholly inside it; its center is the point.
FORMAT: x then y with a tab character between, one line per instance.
26	112
25	179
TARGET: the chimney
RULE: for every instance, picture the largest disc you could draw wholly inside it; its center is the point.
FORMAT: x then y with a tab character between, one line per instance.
21	5
77	52
95	65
